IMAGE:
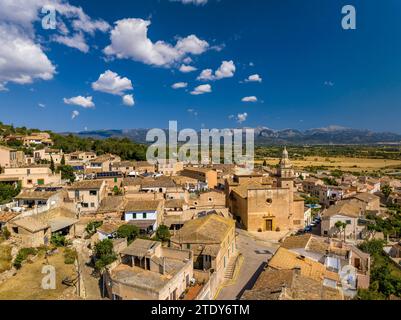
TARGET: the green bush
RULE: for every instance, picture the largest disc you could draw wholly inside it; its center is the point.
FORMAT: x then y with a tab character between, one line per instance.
58	240
70	255
22	255
128	231
92	227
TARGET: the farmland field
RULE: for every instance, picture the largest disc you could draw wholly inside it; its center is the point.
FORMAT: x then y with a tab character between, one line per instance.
341	163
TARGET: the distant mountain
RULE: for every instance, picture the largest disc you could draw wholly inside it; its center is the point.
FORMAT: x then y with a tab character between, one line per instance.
266	136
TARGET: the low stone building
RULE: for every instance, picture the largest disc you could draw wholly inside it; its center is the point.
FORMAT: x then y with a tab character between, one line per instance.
149	271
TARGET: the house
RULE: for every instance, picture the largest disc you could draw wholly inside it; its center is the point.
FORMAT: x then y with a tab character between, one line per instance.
346	212
30	232
102	163
132	184
308	216
48	154
205	175
212	199
113	179
40	199
5	217
31	176
312	186
87	194
79	156
336	255
149	271
36	138
169	168
10	158
125	167
108	230
367	201
145	214
289	284
212	240
157	185
144	167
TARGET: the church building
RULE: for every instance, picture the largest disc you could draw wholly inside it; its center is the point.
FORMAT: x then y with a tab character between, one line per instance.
266	203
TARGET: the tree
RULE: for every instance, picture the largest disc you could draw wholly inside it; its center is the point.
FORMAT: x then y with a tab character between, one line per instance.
341	226
52	165
8	192
386	190
163	233
264	163
104	254
128	231
62	162
67	173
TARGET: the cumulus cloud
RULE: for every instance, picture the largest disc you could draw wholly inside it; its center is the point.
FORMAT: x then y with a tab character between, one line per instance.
41	105
74	114
250	99
195	2
84	102
186	69
111	82
128	100
129	40
202	89
179	85
226	70
241	117
21	60
254	78
77	41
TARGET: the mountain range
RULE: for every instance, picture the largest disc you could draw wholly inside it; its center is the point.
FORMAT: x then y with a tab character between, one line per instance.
266	136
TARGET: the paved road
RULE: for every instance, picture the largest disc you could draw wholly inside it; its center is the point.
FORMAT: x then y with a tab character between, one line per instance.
255	253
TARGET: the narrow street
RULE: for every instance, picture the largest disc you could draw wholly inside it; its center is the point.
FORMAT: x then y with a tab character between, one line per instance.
255	256
91	289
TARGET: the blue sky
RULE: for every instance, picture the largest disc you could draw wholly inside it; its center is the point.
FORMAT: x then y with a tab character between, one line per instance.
310	72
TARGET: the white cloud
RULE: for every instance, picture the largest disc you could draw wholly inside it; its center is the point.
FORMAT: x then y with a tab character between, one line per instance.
254	78
128	100
202	89
226	70
129	40
193	112
24	13
111	82
206	75
179	85
195	2
21	60
250	99
74	114
241	117
186	69
84	102
41	105
77	41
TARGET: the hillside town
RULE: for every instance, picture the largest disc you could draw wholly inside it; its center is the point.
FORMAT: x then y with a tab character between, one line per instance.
131	230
